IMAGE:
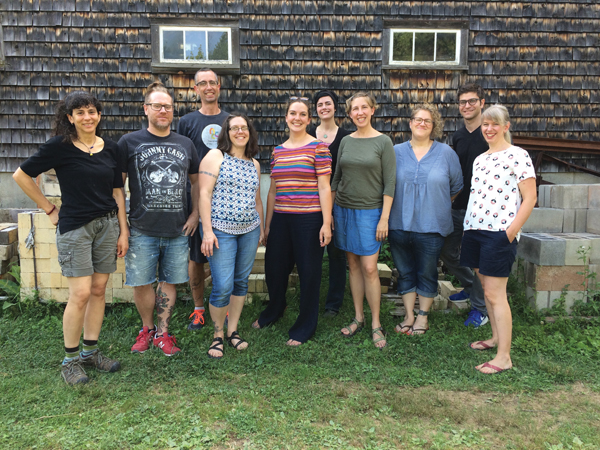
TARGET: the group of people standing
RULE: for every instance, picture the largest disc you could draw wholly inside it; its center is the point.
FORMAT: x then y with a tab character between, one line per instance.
195	198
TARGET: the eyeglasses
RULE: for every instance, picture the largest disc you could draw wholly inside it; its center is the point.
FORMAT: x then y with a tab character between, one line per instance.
211	83
236	129
299	98
159	106
419	121
471	101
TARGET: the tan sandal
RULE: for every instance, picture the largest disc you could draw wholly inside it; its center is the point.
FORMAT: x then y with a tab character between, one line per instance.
359	327
380	336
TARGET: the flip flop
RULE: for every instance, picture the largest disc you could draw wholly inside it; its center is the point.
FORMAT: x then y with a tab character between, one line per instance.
483	344
424	330
491	366
402	327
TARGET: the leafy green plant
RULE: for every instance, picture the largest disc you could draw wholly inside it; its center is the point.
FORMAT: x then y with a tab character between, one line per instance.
589	303
11	289
385	255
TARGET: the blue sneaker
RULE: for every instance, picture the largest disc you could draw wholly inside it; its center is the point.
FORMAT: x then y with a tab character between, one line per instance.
476	318
459	297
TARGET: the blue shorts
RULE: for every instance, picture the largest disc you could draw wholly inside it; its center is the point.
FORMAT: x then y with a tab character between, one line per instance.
356	230
149	255
488	251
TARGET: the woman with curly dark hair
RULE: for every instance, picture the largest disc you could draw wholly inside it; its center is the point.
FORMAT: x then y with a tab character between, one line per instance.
92	225
231	213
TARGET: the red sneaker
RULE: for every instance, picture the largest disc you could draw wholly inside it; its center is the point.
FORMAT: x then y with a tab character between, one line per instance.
167	344
142	341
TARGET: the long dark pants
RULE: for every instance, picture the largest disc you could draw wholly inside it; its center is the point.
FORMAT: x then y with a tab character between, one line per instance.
294	239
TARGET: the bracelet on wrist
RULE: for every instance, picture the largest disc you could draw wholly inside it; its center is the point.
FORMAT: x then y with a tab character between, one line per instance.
52	210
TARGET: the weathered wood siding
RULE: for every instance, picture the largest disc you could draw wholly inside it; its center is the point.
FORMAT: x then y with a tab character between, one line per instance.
540	58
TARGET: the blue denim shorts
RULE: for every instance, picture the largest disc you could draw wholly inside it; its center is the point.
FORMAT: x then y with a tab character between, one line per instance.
231	264
416	256
148	256
356	230
489	251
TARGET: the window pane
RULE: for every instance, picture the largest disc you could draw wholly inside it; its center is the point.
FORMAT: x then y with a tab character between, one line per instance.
446	47
424	43
195	45
218	46
172	44
403	43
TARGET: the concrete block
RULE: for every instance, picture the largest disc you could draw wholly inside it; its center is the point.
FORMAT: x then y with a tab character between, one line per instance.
27	280
542	249
569	196
384	289
61	295
117	280
544	196
544	220
593	221
570	298
460	305
554	278
568	221
120	265
446	289
594	196
252	283
575	243
293	280
580	220
42	221
537	299
384	271
207	281
260	253
440	303
45	236
8	251
56	281
125	294
258	267
27	265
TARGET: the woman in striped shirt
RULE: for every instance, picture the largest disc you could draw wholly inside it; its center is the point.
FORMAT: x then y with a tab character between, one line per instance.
298	222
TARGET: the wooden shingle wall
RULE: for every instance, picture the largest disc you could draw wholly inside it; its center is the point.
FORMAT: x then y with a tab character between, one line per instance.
540	58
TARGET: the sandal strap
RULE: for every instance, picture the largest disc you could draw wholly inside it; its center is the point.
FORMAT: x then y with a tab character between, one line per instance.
354	322
378	331
216	342
423	313
235	335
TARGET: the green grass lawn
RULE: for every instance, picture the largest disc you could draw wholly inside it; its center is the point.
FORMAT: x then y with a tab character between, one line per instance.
333	392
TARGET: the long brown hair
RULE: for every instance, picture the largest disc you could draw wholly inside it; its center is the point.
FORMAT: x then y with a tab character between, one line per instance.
75	100
224	142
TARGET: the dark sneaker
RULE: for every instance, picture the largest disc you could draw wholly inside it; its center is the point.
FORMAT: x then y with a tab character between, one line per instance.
73	373
330	313
476	318
197	320
100	362
167	344
459	297
142	341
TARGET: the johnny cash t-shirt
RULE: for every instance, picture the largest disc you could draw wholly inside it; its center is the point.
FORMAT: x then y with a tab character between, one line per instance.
158	168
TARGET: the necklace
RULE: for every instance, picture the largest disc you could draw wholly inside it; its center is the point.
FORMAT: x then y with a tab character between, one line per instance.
89	148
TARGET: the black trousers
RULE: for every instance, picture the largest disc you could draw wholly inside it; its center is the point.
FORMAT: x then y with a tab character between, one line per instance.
294	239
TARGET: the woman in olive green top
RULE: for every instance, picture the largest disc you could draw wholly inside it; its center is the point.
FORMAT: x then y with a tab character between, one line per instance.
363	188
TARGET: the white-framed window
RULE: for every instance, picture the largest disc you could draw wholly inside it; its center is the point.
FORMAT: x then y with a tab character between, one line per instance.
191	45
428	44
420	46
186	45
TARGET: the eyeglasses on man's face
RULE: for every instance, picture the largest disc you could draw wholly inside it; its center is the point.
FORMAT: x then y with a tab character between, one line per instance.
211	83
159	106
420	120
236	129
471	101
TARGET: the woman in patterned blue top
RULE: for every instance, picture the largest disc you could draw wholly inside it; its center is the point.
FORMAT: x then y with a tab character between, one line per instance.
231	213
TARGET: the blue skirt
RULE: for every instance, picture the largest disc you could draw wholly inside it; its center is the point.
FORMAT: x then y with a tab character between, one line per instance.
356	229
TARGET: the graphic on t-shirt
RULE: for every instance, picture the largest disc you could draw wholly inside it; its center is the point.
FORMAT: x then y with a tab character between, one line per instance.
162	170
210	135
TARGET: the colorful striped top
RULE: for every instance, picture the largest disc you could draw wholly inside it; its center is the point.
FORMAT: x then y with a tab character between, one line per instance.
294	172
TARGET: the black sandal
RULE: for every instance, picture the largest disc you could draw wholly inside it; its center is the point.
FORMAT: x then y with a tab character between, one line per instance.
215	346
235	335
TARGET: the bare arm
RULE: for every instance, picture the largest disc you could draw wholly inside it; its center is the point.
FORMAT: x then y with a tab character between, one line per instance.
382	226
209	171
326	205
527	188
32	191
259	206
191	224
270	209
123	242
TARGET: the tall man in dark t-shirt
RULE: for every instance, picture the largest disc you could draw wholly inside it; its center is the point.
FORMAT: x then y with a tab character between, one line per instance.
468	143
158	163
202	127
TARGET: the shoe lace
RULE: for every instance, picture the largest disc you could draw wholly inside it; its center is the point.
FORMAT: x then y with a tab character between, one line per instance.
198	317
142	337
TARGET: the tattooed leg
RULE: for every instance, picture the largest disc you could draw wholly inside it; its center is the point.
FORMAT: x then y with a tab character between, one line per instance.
218	317
165	302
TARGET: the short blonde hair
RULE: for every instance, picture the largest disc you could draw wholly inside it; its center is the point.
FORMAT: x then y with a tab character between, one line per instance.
437	127
157	86
362	94
498	114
